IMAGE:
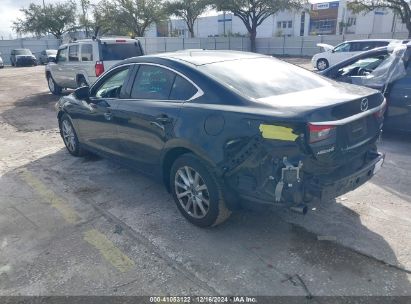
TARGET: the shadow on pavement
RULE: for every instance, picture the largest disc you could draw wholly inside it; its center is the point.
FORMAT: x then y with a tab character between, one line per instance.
32	113
255	252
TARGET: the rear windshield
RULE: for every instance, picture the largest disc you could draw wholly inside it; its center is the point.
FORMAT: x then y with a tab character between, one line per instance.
263	77
119	51
23	52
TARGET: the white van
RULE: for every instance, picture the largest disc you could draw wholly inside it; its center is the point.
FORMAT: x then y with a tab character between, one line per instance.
81	62
332	55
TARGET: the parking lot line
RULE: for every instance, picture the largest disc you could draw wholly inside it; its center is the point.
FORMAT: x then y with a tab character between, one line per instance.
108	250
68	213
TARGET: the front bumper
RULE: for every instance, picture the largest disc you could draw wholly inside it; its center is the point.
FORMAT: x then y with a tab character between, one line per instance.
327	190
26	62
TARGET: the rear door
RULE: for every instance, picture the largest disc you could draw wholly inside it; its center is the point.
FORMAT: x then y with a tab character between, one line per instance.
72	66
87	63
147	119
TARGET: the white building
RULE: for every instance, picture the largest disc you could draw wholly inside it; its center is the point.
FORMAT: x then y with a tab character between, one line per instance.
321	18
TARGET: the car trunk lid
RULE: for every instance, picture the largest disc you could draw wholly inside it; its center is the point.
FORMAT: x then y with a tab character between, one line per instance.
340	124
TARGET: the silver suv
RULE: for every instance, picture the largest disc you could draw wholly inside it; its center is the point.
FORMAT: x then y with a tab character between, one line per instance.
81	62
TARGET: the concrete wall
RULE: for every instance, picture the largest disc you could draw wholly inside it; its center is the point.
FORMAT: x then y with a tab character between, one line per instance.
35	45
288	46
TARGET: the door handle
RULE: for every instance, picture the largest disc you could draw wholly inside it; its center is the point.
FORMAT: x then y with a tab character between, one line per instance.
156	124
108	115
163	119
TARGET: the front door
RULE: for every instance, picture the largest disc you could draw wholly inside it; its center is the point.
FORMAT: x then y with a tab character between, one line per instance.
399	103
97	120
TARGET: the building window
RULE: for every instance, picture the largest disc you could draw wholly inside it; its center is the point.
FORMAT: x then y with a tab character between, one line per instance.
290	24
284	24
351	21
302	24
279	24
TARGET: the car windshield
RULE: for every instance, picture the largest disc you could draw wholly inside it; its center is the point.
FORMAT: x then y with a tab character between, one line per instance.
51	52
23	52
119	51
369	63
263	77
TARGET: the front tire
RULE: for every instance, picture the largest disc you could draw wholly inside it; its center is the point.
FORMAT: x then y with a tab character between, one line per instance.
53	86
322	64
69	136
197	192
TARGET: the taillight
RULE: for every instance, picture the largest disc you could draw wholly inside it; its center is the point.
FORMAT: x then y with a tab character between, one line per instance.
99	67
319	132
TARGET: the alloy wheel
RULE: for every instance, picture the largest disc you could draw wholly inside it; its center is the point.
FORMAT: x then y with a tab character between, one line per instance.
192	192
68	135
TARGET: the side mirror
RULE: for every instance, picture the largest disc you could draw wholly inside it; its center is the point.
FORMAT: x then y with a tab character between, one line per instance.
82	93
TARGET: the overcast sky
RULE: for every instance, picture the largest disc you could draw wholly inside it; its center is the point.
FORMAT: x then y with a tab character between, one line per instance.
9	12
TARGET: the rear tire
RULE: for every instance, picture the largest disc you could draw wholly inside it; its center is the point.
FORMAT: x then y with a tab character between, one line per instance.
322	64
198	192
69	135
53	86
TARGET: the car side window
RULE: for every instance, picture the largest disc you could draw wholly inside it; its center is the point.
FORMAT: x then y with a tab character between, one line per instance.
86	52
152	82
112	85
344	47
182	89
73	53
62	55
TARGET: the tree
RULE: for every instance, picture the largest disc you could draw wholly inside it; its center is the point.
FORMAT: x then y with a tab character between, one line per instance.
84	20
55	19
133	16
400	7
253	12
188	10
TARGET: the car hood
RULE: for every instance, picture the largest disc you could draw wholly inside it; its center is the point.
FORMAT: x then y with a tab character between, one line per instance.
325	47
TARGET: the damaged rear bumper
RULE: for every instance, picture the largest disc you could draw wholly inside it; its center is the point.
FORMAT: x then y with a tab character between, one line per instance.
323	187
326	190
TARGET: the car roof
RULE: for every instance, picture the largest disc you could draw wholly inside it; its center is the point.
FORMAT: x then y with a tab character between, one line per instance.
199	57
365	40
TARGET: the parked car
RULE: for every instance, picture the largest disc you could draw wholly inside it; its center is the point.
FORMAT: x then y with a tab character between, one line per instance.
47	55
81	62
1	62
22	57
332	55
218	127
387	69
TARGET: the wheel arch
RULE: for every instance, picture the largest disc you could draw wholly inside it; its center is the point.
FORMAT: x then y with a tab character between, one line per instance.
173	151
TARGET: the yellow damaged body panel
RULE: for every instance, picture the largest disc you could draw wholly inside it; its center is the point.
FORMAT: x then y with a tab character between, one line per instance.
277	132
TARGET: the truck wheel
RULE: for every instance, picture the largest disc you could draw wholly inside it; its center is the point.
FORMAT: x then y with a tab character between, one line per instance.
322	64
81	82
53	86
197	192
